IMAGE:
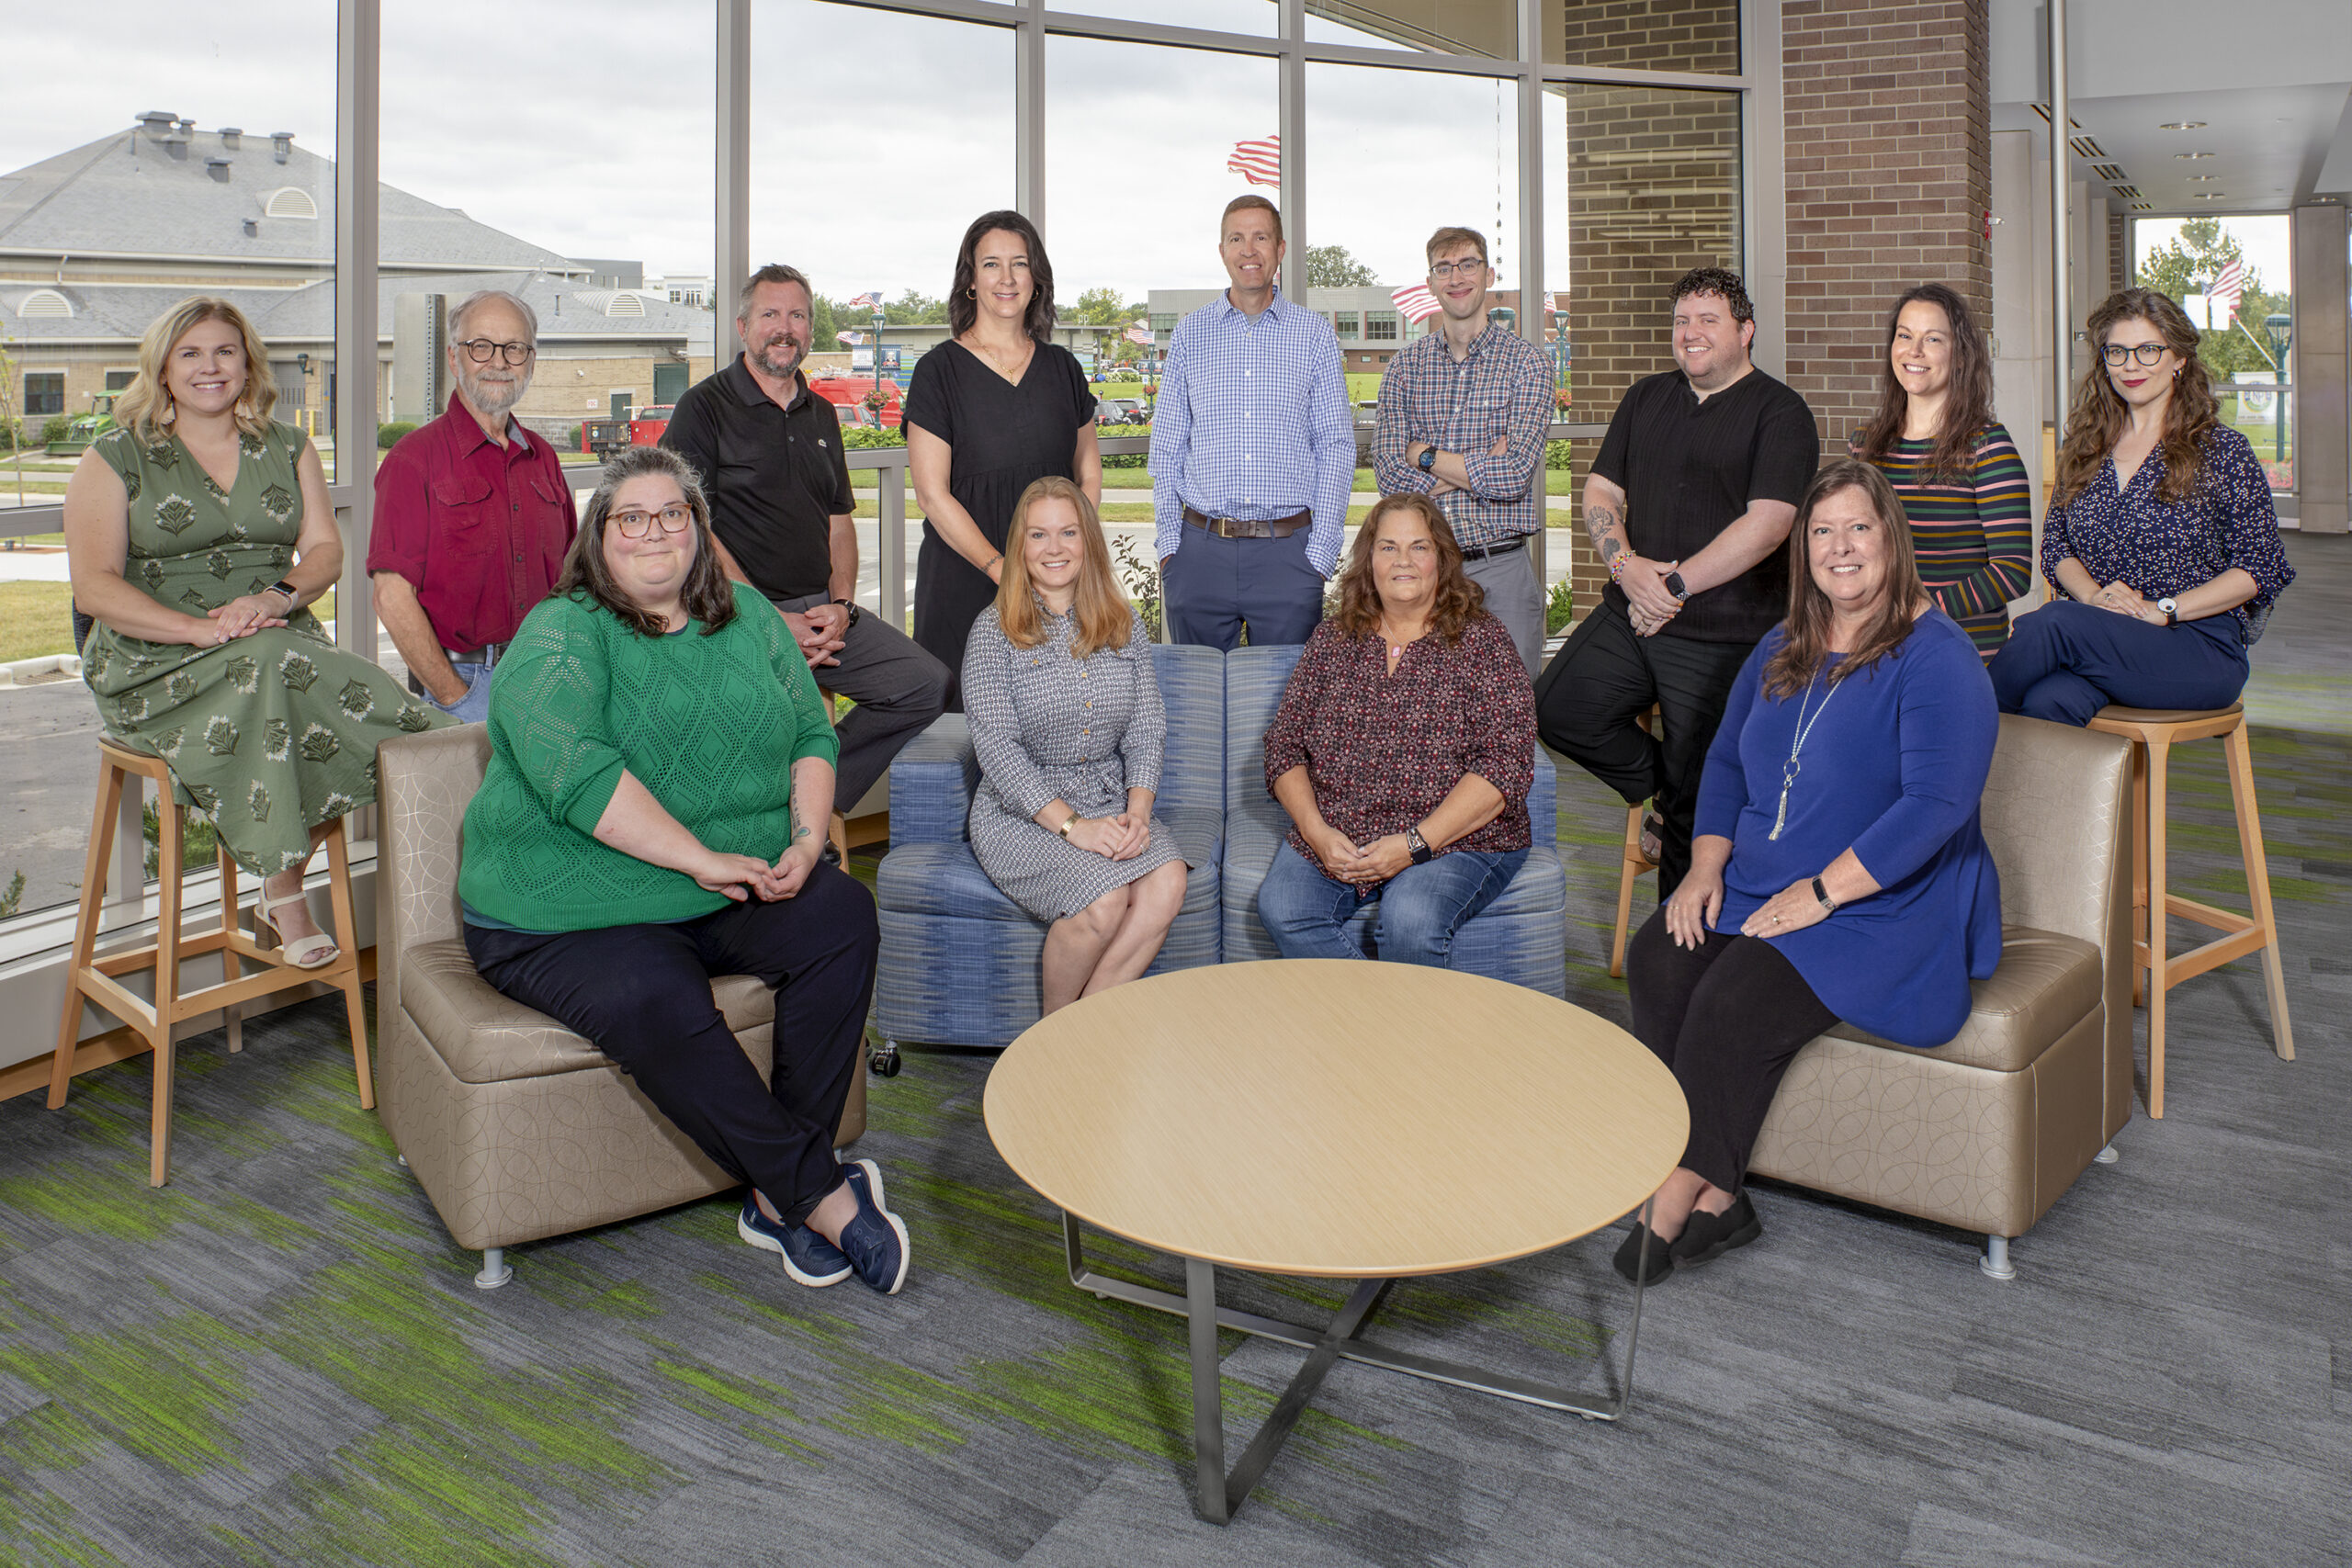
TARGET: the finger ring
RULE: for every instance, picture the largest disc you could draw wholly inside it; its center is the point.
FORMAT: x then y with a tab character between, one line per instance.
1776	920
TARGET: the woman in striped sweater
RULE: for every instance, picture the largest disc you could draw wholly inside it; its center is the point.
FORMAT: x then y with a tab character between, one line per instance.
1962	484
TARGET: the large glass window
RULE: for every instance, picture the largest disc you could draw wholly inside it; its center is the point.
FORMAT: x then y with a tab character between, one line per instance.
1489	27
1258	18
203	145
2233	276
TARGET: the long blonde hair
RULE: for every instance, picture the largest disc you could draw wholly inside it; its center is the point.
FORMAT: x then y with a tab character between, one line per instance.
1105	617
146	409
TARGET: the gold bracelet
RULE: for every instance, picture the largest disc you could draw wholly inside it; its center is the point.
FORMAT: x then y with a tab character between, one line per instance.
1074	820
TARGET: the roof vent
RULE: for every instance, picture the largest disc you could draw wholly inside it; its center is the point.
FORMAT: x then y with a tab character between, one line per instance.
232	137
218	168
613	301
252	227
44	302
158	122
288	201
281	144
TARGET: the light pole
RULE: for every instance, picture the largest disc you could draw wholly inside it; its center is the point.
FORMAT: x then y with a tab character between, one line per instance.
2281	331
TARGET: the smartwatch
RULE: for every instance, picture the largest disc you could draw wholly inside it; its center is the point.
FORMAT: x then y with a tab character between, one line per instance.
1827	903
1417	845
2171	607
850	605
1674	586
294	594
1428	459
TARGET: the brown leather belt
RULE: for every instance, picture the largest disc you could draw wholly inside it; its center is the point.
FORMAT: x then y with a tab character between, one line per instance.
1248	527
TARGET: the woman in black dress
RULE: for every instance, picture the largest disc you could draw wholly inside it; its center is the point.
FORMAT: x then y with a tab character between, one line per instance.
990	412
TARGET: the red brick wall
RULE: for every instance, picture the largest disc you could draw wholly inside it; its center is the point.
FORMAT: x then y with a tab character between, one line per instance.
1888	146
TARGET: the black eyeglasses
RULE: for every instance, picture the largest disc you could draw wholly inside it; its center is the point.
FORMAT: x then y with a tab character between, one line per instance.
637	525
2117	355
482	349
1469	266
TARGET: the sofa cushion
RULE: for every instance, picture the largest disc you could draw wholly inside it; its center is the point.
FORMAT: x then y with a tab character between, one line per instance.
487	1037
946	879
2044	985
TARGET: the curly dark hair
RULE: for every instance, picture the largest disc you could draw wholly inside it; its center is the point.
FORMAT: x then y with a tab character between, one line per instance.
1458	600
962	309
1968	406
1715	280
707	596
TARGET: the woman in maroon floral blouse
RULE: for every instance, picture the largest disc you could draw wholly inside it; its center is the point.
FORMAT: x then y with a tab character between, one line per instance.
1403	751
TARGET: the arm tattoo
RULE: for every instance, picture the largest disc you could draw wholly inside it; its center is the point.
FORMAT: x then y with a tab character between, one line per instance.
1601	522
799	829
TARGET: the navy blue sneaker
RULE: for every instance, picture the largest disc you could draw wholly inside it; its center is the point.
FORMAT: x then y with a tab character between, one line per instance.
808	1257
875	1241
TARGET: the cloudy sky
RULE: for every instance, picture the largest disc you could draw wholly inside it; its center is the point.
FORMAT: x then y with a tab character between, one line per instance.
587	126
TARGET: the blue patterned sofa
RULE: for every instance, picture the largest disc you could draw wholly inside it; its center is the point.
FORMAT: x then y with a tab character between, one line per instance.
959	962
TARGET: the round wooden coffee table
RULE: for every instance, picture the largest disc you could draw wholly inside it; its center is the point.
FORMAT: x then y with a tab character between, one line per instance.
1364	1121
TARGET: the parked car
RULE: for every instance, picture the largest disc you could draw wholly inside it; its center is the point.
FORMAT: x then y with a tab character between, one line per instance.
1121	410
852	399
643	427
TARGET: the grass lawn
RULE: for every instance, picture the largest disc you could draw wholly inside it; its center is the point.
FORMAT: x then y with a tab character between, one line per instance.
36	618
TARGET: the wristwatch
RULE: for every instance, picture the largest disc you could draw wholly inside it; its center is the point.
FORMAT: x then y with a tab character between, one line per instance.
1428	459
850	605
1674	586
1419	846
2171	607
1827	903
293	594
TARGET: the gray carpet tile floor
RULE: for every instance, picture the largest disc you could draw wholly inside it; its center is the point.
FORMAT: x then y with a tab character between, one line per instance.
279	1359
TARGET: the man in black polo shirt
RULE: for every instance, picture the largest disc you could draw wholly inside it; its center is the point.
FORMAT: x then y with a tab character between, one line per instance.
1689	505
770	455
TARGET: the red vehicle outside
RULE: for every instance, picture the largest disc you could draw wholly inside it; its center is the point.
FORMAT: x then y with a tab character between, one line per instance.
849	394
602	438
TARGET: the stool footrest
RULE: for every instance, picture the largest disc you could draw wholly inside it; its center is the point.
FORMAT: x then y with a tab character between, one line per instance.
2180	966
2207	914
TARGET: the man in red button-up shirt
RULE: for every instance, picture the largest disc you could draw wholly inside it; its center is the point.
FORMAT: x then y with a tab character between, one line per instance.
473	514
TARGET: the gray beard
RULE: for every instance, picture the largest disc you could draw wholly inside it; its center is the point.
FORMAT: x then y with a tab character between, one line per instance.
492	401
780	370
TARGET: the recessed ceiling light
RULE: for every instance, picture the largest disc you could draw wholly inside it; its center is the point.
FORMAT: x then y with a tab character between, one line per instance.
2182	125
2195	179
2207	194
2194	155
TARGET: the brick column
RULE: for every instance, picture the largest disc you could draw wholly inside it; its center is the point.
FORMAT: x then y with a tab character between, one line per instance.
1889	159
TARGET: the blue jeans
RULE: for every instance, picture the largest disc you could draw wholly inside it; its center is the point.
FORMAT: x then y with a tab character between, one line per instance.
2066	662
1420	907
474	706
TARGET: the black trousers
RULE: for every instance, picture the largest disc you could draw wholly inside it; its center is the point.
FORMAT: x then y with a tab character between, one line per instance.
1589	701
642	994
1727	1016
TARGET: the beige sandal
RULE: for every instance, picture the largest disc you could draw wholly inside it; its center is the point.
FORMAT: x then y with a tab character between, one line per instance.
314	952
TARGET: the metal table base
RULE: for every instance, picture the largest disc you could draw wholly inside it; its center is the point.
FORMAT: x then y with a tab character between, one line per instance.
1216	1494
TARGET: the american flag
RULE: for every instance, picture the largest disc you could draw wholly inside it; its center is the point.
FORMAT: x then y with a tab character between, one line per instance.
1415	301
852	339
1551	303
1139	335
2225	291
868	301
1260	163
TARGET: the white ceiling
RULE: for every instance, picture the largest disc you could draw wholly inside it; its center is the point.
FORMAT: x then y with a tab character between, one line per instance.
2271	79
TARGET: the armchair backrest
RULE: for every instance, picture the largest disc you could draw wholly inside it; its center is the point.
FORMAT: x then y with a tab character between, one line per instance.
425	783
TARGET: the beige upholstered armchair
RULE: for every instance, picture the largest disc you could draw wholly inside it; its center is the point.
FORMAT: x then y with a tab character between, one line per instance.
1986	1131
516	1127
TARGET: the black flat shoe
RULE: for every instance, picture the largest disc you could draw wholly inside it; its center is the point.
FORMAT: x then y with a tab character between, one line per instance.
1706	1236
1629	1255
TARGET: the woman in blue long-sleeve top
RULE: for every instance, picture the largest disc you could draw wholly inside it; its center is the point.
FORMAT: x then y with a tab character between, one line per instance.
2162	541
1838	870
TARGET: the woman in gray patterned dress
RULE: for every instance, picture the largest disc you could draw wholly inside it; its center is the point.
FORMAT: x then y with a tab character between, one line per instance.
197	531
1066	718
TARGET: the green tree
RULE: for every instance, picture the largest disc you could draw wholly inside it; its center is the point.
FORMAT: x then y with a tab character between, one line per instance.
915	308
1330	266
2188	264
1104	307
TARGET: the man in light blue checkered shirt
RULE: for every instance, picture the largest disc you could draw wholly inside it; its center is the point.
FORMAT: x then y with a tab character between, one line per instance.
1463	414
1253	452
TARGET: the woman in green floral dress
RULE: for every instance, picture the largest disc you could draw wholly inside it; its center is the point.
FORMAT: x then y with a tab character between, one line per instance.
198	532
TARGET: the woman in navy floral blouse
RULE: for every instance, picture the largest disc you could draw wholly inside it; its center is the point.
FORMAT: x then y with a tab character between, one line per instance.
2162	542
1404	749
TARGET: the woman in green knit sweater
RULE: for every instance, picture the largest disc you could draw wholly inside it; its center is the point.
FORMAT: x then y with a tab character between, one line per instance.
661	774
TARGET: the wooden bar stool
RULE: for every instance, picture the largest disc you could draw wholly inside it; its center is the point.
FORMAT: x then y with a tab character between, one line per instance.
1636	863
845	835
2152	733
93	976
